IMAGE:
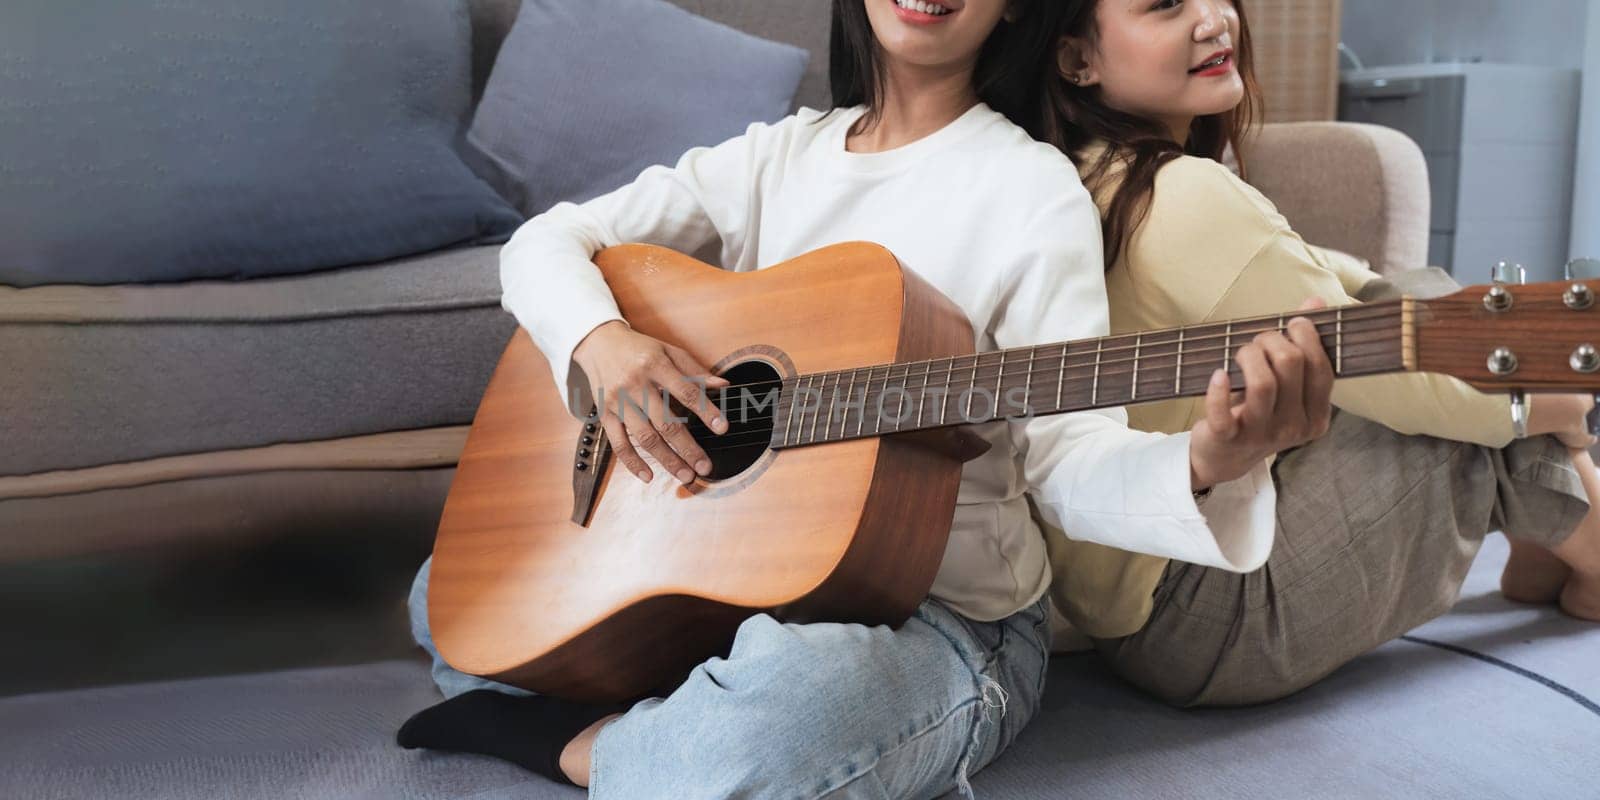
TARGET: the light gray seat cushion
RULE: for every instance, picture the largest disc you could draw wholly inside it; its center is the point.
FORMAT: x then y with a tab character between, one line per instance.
1510	714
126	373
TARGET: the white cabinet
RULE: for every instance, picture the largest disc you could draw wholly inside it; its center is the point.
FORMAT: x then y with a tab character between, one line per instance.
1500	141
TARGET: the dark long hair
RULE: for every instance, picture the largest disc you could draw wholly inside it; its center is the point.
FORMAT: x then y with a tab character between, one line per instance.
1009	75
1073	117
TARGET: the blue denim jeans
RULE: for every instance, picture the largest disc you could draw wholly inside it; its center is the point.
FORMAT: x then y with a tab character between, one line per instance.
820	710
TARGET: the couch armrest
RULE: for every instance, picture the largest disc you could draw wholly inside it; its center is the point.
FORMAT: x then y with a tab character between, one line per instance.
1358	188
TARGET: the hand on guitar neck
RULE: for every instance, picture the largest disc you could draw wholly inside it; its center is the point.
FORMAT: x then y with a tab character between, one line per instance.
630	375
1288	383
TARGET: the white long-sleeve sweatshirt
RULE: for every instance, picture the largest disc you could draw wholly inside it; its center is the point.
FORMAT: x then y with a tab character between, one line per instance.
1001	225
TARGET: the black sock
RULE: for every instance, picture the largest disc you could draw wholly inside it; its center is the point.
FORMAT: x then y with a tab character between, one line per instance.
530	732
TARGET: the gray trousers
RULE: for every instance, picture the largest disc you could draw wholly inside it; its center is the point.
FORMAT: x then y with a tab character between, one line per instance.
1376	532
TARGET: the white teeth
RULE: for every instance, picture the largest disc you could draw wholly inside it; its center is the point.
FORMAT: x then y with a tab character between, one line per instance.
922	7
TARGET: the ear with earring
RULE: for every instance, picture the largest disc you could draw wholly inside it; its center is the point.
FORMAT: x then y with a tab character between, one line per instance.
1071	65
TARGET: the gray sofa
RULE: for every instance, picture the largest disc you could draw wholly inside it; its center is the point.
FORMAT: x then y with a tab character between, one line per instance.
145	415
148	426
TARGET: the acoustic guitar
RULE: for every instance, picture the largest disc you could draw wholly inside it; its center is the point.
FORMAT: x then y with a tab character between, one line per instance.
833	492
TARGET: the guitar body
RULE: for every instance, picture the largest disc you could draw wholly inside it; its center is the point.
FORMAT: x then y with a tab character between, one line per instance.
663	574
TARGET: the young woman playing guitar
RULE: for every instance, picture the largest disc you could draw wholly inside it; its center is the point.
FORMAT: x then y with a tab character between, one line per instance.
918	156
1379	521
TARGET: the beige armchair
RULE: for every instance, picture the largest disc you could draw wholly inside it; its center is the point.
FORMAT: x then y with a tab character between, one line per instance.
1362	189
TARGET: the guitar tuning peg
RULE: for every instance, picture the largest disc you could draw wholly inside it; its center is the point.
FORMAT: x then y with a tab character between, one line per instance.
1579	297
1519	414
1504	274
1508	273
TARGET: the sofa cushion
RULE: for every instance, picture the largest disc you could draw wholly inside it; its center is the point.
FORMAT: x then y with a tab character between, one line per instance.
802	23
167	140
129	373
586	93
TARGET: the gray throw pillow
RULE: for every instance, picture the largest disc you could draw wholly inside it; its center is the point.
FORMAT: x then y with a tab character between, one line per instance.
169	140
587	93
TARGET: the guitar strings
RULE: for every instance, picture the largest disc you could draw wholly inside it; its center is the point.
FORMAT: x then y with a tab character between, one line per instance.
762	435
1155	361
745	434
1162	381
1349	334
1341	326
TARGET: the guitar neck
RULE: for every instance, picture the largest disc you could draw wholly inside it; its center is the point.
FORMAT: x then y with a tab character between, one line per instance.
1058	378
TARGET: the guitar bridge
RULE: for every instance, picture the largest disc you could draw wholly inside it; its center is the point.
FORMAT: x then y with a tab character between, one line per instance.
591	457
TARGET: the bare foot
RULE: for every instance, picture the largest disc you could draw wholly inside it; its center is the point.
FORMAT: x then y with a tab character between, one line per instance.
1581	598
576	755
1533	575
1581	550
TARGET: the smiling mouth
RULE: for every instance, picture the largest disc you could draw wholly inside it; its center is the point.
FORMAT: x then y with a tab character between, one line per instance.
931	9
1218	61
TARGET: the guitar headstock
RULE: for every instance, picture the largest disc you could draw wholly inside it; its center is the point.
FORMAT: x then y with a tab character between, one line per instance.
1509	336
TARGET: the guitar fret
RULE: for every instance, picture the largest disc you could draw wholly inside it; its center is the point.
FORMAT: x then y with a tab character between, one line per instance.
1061	376
844	422
900	415
1027	386
1094	392
877	416
866	397
1227	347
822	399
966	413
883	393
794	408
1177	380
1338	341
828	405
949	375
1138	343
788	418
999	388
922	396
797	413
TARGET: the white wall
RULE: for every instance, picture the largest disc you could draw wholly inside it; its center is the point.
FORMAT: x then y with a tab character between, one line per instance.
1540	32
1586	187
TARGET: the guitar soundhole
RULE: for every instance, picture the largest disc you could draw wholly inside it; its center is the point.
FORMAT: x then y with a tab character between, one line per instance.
749	405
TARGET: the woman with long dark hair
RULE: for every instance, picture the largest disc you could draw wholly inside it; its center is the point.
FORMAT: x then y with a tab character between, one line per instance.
1379	521
916	156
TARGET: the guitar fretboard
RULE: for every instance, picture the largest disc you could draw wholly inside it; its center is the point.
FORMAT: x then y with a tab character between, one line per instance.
1062	377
